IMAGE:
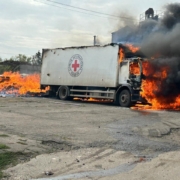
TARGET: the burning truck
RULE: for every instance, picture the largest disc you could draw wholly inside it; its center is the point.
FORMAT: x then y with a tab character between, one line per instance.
110	72
96	74
101	72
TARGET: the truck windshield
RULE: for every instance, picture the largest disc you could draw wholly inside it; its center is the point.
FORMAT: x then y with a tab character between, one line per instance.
134	68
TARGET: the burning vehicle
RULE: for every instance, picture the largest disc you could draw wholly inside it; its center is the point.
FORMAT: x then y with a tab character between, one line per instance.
101	72
157	79
143	62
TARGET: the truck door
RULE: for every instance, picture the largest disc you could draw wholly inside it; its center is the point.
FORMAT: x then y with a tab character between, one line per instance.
124	72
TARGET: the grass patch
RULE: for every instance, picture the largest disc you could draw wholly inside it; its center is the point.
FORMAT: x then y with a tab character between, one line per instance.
4	135
3	146
6	159
9	159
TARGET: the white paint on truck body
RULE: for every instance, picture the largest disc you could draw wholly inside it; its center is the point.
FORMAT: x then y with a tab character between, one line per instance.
81	66
124	72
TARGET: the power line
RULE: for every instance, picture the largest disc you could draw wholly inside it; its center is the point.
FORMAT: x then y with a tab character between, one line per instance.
110	16
89	10
74	10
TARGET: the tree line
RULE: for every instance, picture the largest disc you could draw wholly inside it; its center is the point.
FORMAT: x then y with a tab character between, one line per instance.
35	59
13	63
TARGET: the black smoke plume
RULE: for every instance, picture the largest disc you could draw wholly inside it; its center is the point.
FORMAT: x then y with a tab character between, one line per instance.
165	40
159	39
172	15
164	45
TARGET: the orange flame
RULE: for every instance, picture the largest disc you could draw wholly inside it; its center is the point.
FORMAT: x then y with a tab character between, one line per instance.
153	87
16	83
121	55
132	48
134	69
92	99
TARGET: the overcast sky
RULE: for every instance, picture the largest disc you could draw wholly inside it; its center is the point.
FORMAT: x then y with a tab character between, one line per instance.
28	26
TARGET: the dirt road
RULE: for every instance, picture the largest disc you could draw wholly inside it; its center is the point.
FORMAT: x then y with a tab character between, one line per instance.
98	140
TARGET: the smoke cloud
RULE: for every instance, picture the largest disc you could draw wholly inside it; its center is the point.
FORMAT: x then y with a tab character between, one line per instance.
172	15
163	44
165	38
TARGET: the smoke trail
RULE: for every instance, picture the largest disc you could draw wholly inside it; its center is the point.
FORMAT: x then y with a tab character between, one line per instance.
163	44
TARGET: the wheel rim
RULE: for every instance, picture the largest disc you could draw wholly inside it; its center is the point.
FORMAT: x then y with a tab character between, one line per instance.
124	98
63	93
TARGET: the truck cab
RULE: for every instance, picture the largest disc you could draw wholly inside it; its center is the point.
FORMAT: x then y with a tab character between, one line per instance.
130	79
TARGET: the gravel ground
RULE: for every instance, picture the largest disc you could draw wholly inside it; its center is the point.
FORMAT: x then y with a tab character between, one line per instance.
47	125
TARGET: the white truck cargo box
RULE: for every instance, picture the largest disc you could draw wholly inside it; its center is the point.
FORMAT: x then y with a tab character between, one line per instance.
81	66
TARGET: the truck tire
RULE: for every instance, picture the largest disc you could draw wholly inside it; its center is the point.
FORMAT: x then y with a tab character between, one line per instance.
63	93
125	98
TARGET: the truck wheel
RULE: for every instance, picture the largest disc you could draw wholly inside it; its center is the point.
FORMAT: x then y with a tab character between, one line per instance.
63	93
125	98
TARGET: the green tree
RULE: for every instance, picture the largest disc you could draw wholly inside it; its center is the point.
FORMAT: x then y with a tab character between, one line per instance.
23	58
37	58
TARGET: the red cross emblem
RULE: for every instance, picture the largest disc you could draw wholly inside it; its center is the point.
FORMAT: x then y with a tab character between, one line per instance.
75	65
